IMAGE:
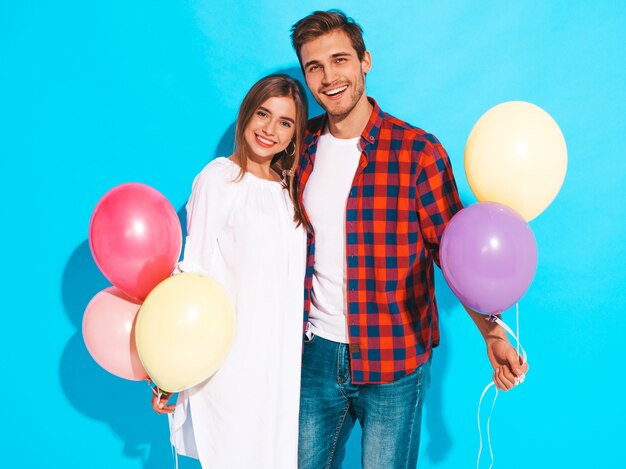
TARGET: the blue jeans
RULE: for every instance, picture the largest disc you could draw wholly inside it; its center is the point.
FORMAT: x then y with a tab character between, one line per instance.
390	414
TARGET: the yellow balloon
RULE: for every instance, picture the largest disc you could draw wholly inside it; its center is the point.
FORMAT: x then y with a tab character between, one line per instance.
516	155
184	330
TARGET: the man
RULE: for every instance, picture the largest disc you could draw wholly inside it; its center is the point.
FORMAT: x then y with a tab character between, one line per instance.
377	194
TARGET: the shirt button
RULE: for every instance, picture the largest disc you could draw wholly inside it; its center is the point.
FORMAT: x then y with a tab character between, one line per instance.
371	138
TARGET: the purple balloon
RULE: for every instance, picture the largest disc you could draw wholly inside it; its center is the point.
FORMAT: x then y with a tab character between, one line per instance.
488	256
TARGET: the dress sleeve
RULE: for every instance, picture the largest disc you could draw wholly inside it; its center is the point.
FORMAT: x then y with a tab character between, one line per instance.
207	214
437	194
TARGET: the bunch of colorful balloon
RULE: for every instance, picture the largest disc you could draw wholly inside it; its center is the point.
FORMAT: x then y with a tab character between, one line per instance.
175	330
515	161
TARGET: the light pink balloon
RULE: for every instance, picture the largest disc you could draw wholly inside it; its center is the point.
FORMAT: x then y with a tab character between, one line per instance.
109	333
135	238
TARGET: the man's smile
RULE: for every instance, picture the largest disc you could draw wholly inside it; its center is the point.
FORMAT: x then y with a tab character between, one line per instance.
336	92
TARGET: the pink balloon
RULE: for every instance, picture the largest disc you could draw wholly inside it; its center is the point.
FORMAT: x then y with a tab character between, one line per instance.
135	238
109	333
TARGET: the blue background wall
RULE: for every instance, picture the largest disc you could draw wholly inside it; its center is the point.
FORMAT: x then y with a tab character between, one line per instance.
94	94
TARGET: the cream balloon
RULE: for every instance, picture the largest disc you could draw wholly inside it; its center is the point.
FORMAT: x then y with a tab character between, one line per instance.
184	330
516	155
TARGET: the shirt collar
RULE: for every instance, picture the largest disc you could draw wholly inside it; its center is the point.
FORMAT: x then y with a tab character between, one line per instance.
369	134
372	129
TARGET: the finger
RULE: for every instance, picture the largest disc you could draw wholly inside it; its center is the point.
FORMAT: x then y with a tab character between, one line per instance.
516	363
501	381
159	402
497	381
508	376
524	368
499	384
161	408
165	409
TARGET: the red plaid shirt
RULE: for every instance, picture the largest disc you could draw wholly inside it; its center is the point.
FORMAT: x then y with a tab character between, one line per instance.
402	196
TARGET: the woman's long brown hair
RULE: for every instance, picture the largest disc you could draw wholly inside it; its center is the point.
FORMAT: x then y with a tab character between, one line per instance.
275	86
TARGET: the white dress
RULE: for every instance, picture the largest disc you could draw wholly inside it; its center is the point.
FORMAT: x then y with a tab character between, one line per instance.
242	234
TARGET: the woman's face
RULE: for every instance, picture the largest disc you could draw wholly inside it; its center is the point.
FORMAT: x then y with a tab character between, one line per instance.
271	128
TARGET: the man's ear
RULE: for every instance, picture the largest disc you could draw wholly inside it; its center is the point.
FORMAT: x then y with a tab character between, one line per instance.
366	63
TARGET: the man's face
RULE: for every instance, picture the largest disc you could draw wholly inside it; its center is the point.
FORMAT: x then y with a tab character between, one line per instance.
334	73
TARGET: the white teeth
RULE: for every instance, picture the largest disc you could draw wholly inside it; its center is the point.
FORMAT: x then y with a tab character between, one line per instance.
336	91
264	140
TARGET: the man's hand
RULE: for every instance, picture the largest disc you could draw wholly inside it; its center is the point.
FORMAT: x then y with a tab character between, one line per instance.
508	369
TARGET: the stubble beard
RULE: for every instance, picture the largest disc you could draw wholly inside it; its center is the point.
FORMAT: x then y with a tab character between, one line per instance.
356	97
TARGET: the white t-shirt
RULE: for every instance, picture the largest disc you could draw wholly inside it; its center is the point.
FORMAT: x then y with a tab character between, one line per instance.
325	197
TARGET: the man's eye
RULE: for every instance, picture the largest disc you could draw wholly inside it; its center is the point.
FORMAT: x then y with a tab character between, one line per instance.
314	68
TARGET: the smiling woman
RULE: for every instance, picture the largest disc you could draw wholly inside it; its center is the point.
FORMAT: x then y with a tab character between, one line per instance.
244	232
270	131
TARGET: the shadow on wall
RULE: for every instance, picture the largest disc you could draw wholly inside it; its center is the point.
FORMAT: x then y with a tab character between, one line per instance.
123	405
440	443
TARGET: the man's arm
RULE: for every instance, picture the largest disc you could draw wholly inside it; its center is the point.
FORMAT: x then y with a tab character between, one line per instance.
438	201
508	369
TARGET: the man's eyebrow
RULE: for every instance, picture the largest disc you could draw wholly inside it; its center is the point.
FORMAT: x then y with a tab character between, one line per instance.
333	56
282	117
311	62
340	54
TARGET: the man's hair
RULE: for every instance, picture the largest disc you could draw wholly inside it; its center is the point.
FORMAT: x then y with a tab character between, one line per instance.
320	23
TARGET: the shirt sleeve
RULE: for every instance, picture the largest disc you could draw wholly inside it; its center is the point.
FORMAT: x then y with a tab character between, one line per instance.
437	194
207	215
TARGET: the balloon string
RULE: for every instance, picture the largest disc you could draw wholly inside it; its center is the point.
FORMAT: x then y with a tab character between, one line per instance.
170	424
517	327
518	380
480	434
170	421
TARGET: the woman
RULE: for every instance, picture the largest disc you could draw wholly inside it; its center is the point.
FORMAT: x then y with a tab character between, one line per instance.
244	231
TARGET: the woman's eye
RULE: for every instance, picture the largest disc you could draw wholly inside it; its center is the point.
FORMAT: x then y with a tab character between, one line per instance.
286	124
261	114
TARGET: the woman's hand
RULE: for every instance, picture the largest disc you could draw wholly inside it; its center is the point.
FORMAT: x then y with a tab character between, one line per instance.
159	402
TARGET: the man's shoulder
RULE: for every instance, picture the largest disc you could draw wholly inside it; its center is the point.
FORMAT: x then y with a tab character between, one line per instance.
402	130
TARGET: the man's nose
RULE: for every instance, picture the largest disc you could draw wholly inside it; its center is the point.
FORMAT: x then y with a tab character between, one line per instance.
329	75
